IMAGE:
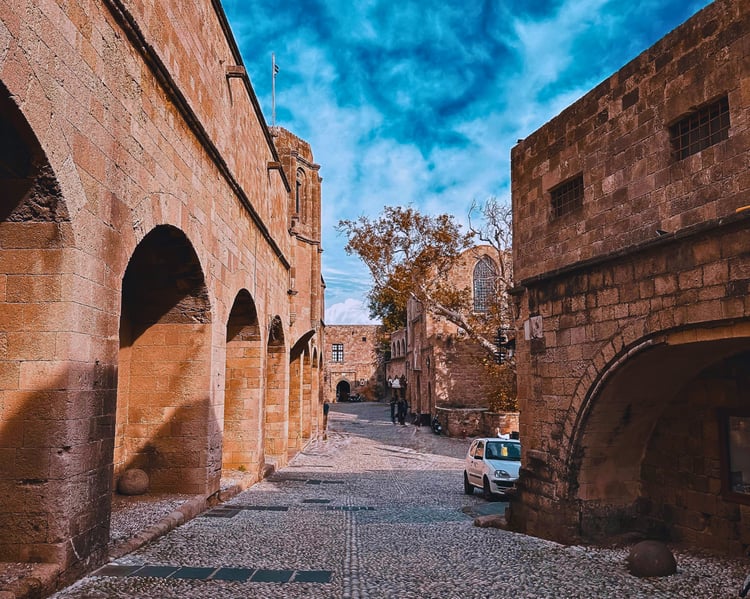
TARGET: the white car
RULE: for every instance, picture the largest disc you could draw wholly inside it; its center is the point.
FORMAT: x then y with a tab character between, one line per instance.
492	465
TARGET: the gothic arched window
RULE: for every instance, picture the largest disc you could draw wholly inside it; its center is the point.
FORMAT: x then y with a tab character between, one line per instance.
484	284
299	190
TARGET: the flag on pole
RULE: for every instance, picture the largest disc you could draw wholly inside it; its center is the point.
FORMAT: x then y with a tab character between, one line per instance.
275	70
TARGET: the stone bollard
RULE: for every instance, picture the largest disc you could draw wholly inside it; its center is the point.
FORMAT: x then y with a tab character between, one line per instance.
133	482
651	558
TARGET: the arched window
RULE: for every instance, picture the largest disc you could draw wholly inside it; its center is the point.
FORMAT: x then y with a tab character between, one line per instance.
484	284
299	190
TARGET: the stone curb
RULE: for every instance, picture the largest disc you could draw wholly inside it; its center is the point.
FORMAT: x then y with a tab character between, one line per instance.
42	582
491	521
187	511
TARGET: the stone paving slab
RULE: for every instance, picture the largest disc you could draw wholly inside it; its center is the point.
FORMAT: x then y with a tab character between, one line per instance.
386	518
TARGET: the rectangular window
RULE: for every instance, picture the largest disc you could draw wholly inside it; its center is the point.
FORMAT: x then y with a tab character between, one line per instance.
700	129
735	454
337	354
567	197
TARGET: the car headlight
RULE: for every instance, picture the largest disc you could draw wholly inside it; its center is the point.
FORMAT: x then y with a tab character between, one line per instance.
501	474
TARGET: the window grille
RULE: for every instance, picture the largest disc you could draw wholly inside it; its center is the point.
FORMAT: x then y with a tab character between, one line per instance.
337	353
484	284
700	129
567	196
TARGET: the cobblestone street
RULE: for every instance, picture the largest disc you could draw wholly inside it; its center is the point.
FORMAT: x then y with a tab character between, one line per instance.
378	510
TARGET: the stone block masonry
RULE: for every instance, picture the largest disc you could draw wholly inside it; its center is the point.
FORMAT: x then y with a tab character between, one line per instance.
156	304
634	354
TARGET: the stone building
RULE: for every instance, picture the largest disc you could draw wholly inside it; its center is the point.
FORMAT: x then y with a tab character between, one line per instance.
395	365
632	255
354	364
160	289
443	367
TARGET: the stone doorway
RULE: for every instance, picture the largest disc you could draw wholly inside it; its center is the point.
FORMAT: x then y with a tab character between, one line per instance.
649	455
343	389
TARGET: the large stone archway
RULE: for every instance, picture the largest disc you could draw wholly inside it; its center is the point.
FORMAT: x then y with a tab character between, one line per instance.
645	453
52	461
164	424
276	411
243	393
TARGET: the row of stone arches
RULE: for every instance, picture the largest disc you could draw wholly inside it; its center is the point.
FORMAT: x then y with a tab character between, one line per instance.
105	367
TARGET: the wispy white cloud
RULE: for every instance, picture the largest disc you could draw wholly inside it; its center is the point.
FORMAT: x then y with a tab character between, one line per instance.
350	311
409	106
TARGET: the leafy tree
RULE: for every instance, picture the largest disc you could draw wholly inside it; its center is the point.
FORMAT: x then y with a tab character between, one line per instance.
410	254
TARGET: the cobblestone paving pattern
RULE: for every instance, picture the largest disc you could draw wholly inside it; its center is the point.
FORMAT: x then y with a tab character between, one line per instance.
378	511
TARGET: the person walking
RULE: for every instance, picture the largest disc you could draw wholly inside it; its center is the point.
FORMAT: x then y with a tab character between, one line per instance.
396	388
326	409
394	403
402	409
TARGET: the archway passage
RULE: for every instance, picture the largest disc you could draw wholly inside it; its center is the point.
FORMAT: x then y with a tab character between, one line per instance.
50	493
276	412
300	377
242	448
343	389
650	456
163	423
297	365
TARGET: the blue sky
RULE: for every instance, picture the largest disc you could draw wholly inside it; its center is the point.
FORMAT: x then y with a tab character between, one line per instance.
419	103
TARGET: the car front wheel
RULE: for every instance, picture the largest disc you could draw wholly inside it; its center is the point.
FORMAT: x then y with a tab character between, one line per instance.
486	491
468	487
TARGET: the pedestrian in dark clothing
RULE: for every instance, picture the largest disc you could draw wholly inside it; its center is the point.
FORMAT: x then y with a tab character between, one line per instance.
396	388
394	403
403	407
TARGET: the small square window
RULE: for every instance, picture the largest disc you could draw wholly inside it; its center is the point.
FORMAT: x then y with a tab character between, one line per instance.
700	129
567	197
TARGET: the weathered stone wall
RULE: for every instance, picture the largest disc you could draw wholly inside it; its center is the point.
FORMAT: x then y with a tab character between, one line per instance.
617	136
444	367
687	491
469	422
361	367
155	237
621	322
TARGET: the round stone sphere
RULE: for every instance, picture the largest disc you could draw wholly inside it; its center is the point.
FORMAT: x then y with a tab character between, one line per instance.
651	558
133	482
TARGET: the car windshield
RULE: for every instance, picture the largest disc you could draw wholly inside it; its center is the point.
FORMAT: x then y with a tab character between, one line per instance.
500	450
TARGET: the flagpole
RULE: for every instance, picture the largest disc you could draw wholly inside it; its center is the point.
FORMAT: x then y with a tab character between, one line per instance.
274	70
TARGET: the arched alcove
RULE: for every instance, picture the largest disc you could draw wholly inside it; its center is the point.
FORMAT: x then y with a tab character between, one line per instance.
163	421
242	449
299	391
276	409
646	455
50	488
